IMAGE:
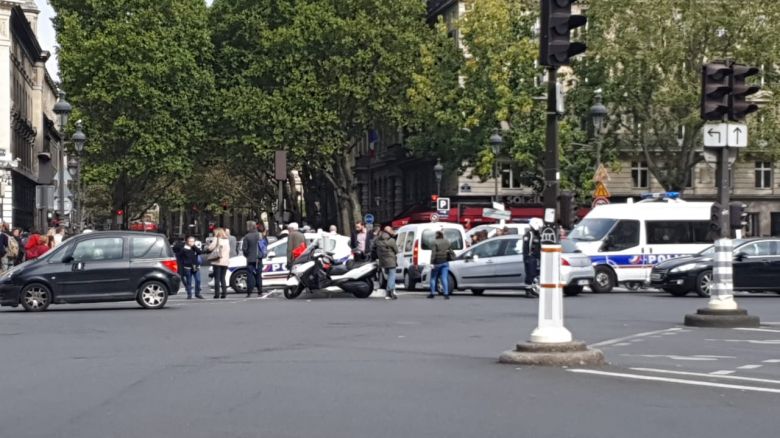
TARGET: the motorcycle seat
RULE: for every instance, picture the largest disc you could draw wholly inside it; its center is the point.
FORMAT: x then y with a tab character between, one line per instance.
339	269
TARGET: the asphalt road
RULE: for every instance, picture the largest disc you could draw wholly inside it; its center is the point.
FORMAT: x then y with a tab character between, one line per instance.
341	367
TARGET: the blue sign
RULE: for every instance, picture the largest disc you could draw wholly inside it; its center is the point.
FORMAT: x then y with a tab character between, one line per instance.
369	219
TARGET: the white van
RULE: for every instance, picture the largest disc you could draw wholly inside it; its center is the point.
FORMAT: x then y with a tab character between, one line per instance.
625	241
414	248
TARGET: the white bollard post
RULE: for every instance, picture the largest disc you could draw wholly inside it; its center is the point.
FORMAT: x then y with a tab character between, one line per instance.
722	286
551	328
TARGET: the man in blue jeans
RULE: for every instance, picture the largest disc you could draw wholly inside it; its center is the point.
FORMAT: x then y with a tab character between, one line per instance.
440	257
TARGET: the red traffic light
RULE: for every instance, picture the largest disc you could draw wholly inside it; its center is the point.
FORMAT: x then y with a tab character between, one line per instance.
120	212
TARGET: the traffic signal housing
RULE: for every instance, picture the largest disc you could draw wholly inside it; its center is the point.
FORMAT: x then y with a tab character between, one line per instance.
568	209
556	48
738	106
737	215
715	214
715	88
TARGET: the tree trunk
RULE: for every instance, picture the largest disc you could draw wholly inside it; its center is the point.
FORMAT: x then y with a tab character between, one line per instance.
346	193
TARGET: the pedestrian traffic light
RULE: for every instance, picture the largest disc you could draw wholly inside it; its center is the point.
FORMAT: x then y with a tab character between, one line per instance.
737	215
715	87
568	210
715	214
555	33
738	106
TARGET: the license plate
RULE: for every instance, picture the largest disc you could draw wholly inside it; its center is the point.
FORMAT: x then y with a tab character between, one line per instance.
583	282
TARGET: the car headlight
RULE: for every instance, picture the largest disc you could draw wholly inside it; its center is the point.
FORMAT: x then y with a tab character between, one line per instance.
686	267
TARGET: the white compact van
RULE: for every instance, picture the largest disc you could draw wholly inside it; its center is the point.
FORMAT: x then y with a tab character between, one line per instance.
414	248
625	241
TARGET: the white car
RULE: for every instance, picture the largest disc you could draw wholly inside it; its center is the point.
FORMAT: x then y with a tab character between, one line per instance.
414	249
275	264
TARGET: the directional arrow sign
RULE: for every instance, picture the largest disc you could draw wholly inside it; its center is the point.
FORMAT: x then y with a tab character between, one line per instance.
497	214
715	135
738	135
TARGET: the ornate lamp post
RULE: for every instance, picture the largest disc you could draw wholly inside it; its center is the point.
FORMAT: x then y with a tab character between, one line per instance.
496	141
598	114
78	141
438	171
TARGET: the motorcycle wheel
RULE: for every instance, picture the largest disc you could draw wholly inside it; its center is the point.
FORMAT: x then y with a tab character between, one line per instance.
292	293
365	293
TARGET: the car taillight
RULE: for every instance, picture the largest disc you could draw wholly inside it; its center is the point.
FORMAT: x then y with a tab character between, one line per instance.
416	252
565	262
172	265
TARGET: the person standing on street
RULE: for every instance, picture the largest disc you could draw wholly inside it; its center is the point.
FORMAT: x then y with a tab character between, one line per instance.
189	254
360	239
441	255
296	243
17	236
532	250
36	246
219	256
386	253
233	243
249	248
5	239
59	235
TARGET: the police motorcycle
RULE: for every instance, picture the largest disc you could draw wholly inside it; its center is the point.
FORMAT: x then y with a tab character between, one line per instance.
316	271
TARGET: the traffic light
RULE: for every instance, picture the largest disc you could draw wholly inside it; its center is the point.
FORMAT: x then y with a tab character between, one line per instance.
738	107
737	215
555	31
715	87
715	213
568	210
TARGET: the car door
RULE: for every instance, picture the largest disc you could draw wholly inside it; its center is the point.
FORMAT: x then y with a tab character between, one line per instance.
509	269
771	278
478	266
747	265
99	269
275	263
146	252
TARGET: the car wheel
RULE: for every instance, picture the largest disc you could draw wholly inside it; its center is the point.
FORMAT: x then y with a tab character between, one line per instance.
408	284
238	281
477	291
153	295
603	280
292	293
704	284
35	297
572	291
632	285
532	291
676	291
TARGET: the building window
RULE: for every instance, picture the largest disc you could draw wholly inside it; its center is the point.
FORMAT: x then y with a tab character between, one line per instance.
510	178
763	174
639	174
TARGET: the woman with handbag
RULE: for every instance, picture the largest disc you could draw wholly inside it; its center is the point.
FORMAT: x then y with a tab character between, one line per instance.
219	257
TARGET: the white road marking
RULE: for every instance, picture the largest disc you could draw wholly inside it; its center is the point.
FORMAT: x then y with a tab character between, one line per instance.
718	376
756	330
696	357
679	381
771	361
638	335
749	367
751	341
622	344
721	372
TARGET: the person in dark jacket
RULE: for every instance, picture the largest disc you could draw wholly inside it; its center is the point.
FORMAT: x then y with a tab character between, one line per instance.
440	257
17	234
296	242
532	250
189	256
254	264
361	239
386	252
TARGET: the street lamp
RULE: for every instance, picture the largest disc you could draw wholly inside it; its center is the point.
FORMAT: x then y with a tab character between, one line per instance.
496	141
63	109
598	114
438	171
74	169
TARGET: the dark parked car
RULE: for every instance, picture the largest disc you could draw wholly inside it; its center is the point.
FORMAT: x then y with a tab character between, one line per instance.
756	268
96	267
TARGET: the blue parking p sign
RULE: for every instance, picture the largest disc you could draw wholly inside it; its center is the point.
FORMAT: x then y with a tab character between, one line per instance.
369	219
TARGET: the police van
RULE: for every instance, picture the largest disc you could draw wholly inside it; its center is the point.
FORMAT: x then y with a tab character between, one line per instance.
625	241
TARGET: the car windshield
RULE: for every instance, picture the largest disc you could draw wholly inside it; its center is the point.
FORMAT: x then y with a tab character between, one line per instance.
710	250
592	229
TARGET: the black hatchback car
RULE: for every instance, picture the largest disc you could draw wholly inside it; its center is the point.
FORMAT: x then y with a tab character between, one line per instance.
96	267
756	268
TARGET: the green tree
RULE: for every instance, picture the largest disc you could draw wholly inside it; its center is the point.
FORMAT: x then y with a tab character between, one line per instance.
647	57
311	77
460	97
138	72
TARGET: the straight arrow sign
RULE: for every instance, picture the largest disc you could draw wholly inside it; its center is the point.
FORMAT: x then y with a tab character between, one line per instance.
738	135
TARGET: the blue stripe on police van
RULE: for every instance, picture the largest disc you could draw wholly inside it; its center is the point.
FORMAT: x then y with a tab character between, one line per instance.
633	260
